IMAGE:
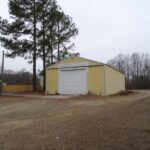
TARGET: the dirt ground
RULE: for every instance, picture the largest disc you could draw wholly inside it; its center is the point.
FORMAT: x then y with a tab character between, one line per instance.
81	123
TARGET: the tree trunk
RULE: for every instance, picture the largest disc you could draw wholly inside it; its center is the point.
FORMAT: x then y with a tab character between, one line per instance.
52	62
58	48
44	69
2	75
44	55
51	51
34	52
51	45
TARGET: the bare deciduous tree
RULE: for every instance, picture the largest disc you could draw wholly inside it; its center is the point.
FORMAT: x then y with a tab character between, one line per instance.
136	68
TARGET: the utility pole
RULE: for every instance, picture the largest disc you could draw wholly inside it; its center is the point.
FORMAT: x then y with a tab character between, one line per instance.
2	74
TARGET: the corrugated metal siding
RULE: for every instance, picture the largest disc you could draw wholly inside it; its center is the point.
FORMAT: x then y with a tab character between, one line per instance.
96	80
115	81
52	81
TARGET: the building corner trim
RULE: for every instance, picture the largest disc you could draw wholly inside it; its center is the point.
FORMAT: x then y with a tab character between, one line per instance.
105	81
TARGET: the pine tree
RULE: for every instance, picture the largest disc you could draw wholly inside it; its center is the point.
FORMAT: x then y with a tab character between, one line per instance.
44	4
57	29
65	30
39	28
46	34
19	36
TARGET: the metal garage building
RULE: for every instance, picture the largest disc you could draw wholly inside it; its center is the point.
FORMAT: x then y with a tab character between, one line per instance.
76	75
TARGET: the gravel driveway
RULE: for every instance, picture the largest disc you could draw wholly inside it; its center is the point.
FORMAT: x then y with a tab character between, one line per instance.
80	123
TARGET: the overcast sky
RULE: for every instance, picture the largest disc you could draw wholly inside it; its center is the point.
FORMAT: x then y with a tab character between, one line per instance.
106	28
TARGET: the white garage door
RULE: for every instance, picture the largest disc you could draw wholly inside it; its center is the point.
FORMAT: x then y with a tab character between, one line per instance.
73	81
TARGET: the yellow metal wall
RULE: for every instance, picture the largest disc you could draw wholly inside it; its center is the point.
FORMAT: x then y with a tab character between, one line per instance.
96	80
18	88
114	81
52	81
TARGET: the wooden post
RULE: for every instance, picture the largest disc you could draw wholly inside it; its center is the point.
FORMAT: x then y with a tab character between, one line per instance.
2	74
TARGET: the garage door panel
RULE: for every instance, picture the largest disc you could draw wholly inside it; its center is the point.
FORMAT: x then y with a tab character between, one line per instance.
73	81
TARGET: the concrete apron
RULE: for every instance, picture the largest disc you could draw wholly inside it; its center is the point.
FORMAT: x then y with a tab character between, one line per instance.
40	96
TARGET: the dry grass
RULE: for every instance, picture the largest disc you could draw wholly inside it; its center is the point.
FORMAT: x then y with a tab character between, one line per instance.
84	123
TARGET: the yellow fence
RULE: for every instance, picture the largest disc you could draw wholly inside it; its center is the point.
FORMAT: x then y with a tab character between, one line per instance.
18	88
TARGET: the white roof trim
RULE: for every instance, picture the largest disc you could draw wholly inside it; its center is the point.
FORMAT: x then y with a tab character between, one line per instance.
69	65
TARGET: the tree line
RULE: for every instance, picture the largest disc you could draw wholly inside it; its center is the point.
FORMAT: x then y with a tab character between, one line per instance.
37	29
17	78
136	68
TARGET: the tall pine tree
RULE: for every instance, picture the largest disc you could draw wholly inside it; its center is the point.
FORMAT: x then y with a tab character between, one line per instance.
65	30
39	28
57	30
45	34
19	36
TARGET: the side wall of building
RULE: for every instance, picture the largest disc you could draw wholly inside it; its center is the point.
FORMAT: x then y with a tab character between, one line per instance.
114	81
96	80
52	81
